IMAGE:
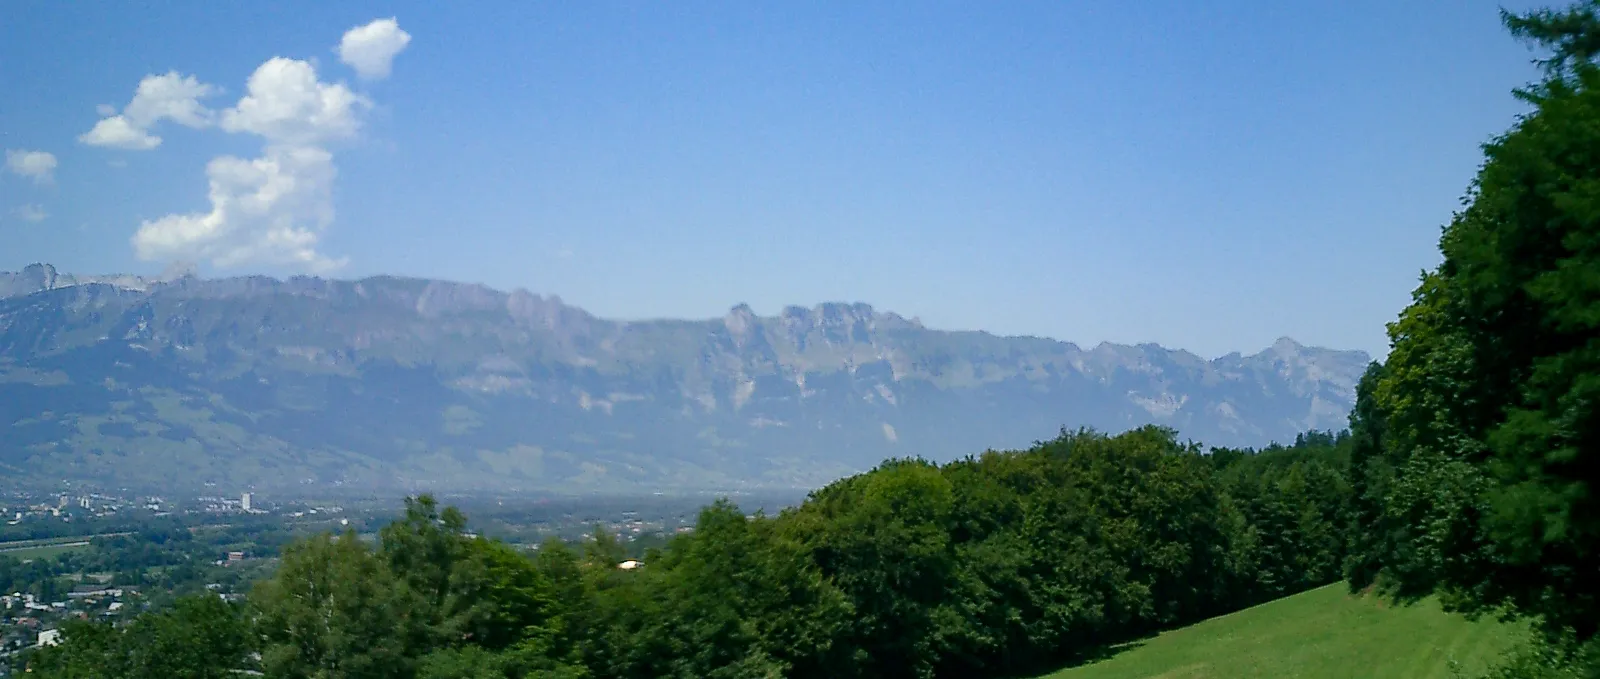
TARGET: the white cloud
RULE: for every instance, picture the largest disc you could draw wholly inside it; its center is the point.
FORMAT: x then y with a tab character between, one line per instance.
286	104
371	49
274	209
170	96
39	166
118	133
268	210
32	213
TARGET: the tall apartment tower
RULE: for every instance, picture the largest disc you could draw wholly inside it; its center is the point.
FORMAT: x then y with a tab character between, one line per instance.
244	502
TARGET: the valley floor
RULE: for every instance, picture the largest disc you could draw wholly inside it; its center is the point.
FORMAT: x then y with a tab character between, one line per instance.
1325	633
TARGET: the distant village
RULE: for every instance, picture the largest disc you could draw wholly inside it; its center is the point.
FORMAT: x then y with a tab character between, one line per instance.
26	621
21	507
42	525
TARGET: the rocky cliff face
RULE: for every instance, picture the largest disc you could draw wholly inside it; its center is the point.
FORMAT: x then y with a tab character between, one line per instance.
404	382
41	277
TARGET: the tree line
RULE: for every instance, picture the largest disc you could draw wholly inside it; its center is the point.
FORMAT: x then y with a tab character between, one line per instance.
1474	458
997	564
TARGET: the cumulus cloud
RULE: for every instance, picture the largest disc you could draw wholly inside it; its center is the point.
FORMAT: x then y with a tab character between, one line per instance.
268	210
31	213
118	133
371	49
273	209
40	166
170	96
287	104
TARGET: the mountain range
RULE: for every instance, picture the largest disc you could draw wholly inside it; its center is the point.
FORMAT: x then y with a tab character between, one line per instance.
392	382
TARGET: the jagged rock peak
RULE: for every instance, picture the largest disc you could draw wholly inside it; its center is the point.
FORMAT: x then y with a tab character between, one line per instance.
40	277
43	276
740	319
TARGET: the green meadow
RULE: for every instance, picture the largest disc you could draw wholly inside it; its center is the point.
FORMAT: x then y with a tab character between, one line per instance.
1326	633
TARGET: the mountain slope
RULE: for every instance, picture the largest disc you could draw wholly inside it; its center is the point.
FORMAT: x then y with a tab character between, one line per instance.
395	381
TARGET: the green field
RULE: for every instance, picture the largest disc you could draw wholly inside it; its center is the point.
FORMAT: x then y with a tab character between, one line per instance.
43	548
1320	634
43	551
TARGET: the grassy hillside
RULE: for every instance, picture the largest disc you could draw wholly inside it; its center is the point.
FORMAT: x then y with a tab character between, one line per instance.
1324	633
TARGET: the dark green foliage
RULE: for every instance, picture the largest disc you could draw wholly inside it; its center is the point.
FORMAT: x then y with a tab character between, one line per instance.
1557	657
335	610
1294	507
1371	476
1003	563
1572	35
198	638
1477	437
1476	443
428	599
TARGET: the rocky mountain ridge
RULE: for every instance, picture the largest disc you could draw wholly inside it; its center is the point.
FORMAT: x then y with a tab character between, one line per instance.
389	381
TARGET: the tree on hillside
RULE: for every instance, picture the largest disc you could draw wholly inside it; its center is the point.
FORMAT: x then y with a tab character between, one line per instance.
1488	409
335	610
1369	536
200	637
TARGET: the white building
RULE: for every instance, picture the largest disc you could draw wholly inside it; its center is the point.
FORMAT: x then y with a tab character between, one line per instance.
49	637
244	502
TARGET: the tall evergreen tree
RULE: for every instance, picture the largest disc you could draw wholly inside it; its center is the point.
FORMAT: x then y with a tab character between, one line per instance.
1477	443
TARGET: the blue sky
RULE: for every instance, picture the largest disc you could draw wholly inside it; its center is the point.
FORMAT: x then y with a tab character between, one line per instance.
1207	175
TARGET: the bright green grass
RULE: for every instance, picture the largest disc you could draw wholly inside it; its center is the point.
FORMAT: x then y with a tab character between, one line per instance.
1320	634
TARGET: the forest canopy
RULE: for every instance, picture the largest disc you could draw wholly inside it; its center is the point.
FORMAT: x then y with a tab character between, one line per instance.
995	564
